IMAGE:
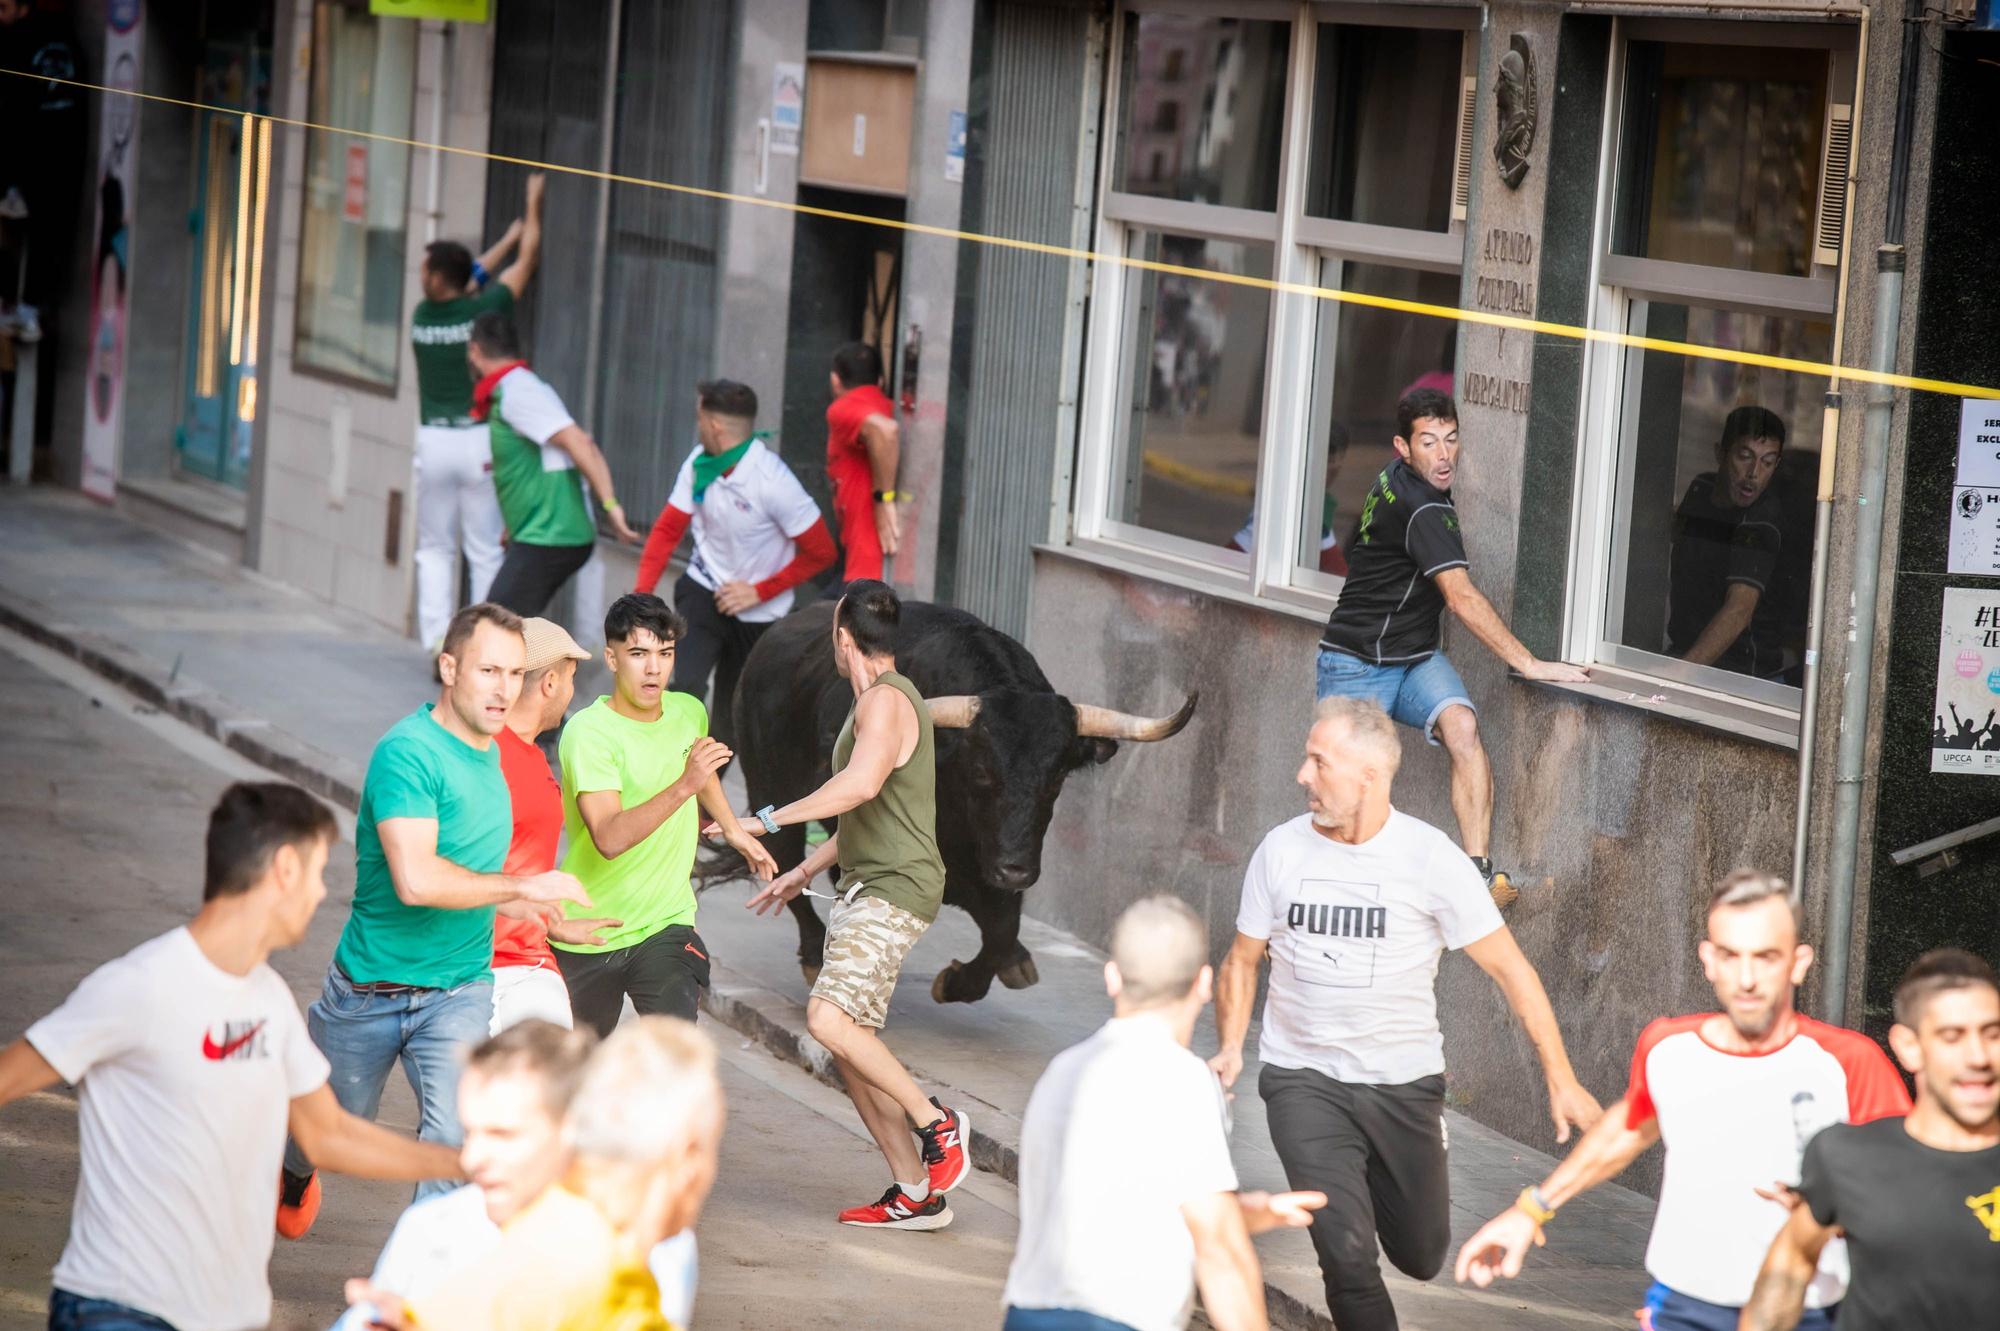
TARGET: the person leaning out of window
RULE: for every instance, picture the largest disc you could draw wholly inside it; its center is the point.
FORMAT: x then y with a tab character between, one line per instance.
1729	533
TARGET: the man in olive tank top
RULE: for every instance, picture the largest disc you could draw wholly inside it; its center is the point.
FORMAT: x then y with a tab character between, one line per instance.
884	791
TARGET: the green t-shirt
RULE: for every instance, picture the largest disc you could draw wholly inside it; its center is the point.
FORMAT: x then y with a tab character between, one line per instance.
539	487
888	845
648	887
421	770
439	331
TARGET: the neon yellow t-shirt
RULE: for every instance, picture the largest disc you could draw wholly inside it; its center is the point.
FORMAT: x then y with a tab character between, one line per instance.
648	887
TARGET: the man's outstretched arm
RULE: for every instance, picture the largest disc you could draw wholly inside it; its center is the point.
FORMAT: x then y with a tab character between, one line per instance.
1780	1294
1477	614
529	253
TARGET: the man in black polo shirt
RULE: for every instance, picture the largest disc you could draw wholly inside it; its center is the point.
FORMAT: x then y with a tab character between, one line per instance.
1918	1198
1384	639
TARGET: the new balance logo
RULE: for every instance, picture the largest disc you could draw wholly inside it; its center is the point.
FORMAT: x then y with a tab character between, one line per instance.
1339	921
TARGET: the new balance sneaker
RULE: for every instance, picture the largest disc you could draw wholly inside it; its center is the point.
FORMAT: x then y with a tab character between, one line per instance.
298	1203
896	1210
947	1151
1503	892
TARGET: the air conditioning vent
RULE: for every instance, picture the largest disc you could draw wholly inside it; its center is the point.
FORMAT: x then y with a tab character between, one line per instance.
1834	170
1461	172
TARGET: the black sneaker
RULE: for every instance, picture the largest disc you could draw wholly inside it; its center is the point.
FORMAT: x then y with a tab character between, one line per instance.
897	1211
1502	890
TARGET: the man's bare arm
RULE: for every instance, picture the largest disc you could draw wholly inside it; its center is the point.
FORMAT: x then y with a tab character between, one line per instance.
883	722
1477	614
615	829
883	440
500	248
1235	992
515	279
1501	957
1779	1297
336	1140
23	1071
589	459
1225	1265
1738	607
422	877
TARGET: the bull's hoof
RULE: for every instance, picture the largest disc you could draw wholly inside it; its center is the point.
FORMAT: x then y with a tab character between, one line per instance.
1019	973
954	985
811	972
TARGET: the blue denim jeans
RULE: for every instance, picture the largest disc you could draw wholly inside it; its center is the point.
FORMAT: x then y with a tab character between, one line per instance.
362	1035
73	1312
1415	695
1058	1319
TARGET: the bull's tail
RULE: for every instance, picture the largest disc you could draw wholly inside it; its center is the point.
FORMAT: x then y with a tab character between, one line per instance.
716	864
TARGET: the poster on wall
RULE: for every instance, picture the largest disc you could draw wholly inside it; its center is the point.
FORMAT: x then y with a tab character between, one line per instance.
788	107
1975	500
1965	727
111	250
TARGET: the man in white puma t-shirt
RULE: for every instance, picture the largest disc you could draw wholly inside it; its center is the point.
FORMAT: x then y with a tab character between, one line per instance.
190	1061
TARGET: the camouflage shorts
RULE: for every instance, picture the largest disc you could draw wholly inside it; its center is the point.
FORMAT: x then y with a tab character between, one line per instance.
866	941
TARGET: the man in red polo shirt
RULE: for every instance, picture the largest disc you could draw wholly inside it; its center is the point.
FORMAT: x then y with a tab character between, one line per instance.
861	457
526	983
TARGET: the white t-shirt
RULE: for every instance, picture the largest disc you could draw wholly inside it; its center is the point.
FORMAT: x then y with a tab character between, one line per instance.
1121	1131
1734	1123
185	1075
531	407
745	525
445	1234
1355	935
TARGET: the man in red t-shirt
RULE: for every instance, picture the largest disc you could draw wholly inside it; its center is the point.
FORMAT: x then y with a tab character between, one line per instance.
861	457
1736	1095
526	983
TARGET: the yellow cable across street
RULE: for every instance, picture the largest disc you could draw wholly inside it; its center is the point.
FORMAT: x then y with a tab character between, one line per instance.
1576	332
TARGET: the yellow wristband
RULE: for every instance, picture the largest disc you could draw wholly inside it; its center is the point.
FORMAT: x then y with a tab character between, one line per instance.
613	506
1530	1201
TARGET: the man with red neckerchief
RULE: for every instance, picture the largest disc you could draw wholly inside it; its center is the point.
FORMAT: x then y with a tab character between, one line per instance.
1736	1096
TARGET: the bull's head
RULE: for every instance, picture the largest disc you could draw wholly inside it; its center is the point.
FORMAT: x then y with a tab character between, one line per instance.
1003	759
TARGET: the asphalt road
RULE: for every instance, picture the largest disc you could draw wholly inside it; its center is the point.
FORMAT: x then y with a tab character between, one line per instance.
102	809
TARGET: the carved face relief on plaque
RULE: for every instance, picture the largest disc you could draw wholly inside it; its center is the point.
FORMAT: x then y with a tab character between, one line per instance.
1516	98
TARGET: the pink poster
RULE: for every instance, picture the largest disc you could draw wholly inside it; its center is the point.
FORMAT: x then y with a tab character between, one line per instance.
111	254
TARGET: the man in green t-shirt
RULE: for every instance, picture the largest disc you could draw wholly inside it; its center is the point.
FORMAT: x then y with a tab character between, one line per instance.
635	763
538	453
455	500
412	975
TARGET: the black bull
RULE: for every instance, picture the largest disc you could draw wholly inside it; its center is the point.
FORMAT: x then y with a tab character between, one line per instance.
1005	742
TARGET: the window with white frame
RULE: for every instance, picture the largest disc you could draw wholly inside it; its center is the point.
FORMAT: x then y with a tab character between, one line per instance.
1232	431
1722	230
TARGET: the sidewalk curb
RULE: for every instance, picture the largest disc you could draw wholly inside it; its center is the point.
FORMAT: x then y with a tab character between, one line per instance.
734	1001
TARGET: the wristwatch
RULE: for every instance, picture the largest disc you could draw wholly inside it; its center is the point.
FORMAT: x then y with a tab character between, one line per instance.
770	824
889	496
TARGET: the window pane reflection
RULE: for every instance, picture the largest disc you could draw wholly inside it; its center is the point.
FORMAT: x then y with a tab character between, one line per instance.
1367	359
1385	123
1718	463
1195	349
1203	102
1721	154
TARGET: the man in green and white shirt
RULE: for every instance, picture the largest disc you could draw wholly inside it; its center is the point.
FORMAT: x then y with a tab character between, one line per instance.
455	501
538	453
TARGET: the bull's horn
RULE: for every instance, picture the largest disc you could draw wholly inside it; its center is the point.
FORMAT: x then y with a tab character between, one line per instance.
1103	723
953	711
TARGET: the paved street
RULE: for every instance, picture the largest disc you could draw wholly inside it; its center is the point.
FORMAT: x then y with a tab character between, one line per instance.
102	806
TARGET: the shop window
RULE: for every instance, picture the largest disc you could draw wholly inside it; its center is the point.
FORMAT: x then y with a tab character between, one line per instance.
1385	125
352	238
1225	80
1194	349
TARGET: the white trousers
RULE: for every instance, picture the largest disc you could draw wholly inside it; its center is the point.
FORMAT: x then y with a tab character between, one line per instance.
524	993
455	504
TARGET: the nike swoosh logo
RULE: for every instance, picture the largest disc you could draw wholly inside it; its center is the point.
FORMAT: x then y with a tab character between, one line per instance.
210	1049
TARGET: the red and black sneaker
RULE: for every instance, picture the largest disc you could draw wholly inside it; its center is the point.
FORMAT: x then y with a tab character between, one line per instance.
946	1148
298	1203
896	1210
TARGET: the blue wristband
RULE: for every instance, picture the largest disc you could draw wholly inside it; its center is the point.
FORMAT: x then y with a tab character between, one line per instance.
479	273
771	824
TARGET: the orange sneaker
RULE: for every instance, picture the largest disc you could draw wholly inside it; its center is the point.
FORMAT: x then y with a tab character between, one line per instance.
298	1204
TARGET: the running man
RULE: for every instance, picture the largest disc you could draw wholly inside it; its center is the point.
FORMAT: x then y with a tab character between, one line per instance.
526	981
455	500
1917	1198
1353	1077
412	977
884	791
1735	1095
538	451
1384	640
1117	1228
862	454
757	535
190	1062
634	764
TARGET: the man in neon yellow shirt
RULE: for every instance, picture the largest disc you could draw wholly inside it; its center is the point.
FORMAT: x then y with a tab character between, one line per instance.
635	763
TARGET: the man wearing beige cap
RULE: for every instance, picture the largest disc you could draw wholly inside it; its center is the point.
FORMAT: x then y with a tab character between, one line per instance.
526	983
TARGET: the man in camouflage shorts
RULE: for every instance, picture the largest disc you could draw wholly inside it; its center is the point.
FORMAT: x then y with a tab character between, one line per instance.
884	791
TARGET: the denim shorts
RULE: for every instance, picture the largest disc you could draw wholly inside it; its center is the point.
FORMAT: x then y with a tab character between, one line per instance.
1415	695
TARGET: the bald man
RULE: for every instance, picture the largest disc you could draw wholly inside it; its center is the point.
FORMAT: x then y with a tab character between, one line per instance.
1355	902
1119	1225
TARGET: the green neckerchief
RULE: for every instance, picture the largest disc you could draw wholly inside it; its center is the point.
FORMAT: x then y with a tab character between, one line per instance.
711	467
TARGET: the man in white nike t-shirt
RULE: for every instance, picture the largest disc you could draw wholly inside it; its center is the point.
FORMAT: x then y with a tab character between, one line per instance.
1355	902
190	1061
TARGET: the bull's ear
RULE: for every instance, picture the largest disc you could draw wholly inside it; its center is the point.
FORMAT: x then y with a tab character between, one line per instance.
1091	749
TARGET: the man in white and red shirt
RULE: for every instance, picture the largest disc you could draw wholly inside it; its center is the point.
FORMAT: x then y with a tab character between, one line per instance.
1735	1095
190	1061
757	535
526	982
